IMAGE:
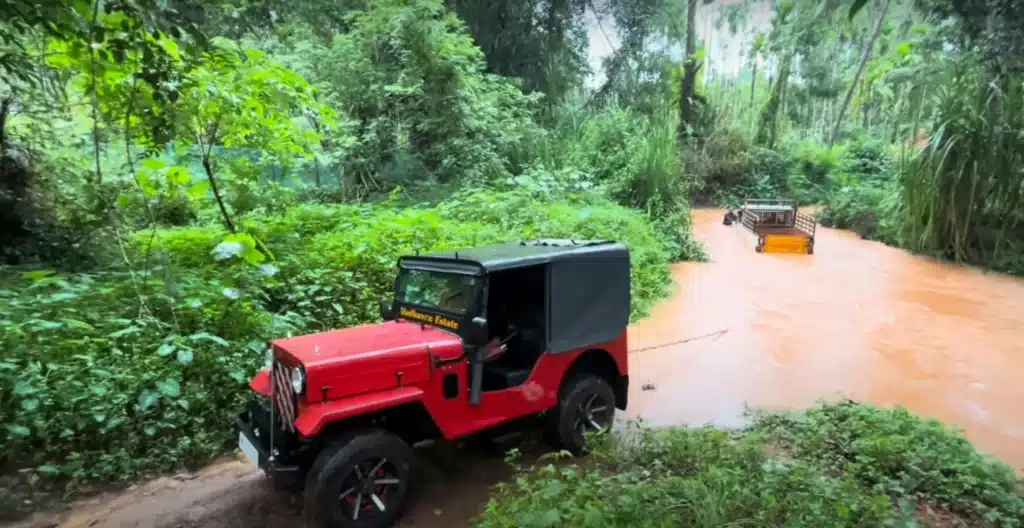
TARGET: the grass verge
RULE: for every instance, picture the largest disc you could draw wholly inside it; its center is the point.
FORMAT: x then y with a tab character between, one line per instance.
836	464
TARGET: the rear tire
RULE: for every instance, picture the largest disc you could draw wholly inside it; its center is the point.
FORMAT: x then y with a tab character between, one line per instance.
585	403
364	480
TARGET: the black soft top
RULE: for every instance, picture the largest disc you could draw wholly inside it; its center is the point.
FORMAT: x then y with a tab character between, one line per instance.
588	286
521	254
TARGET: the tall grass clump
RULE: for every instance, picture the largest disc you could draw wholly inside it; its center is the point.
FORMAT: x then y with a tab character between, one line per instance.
963	191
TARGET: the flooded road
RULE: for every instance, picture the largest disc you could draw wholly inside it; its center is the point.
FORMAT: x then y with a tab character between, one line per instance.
855	319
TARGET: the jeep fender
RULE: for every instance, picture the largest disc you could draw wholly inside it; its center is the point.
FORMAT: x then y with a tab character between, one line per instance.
601	363
260	383
314	418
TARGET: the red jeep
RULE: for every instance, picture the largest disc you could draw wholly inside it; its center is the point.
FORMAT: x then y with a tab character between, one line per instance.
339	411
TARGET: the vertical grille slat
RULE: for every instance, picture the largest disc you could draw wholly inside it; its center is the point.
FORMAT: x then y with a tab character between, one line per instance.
282	395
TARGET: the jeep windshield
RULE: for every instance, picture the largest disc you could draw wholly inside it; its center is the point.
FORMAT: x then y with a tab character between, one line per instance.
437	291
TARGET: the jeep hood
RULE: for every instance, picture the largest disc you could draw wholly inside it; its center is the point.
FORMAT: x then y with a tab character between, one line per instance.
366	358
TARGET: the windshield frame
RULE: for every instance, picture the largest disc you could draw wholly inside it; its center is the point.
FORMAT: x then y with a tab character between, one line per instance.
433	314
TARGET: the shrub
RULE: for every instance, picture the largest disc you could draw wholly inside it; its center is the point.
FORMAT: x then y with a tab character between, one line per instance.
730	170
899	455
101	382
867	158
864	195
722	163
812	166
838	464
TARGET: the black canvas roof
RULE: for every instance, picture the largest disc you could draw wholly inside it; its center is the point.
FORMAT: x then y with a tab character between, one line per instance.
521	254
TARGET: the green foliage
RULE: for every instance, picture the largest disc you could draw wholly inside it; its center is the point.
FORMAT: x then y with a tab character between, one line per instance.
412	85
963	191
110	375
549	49
871	209
643	71
102	383
902	456
861	191
730	169
236	97
75	22
814	165
840	464
626	156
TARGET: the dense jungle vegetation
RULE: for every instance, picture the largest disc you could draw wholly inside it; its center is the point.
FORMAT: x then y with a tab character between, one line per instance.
180	180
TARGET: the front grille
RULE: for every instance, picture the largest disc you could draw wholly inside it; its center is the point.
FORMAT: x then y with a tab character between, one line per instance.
269	434
282	395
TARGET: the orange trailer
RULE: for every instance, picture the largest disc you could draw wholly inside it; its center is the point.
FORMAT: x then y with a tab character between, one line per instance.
779	226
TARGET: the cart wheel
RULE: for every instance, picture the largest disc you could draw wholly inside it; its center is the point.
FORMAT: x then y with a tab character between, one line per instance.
365	480
586	404
810	250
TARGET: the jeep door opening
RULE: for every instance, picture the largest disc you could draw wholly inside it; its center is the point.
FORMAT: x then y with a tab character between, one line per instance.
338	412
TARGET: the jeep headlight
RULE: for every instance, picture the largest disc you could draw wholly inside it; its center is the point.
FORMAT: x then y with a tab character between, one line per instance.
298	380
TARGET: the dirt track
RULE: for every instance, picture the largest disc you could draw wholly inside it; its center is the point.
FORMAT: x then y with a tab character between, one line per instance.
232	494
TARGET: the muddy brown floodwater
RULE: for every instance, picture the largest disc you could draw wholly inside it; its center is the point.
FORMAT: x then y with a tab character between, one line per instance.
857	319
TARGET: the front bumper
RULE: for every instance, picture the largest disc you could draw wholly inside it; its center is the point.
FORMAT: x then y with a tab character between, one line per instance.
282	460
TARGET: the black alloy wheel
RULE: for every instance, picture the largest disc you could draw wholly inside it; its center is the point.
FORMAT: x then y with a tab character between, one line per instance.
586	405
363	482
368	488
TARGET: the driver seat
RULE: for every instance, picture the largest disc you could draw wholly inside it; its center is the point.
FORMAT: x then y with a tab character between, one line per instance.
515	366
503	376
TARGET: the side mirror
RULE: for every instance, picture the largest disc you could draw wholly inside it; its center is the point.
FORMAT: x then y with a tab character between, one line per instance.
387	311
477	332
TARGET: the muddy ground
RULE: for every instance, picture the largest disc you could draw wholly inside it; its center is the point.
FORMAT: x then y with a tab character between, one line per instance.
232	494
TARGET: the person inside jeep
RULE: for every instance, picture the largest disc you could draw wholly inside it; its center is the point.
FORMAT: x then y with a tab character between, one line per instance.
516	322
520	325
501	328
496	347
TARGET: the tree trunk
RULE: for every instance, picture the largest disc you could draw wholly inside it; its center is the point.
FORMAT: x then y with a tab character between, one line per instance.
826	120
753	83
553	52
866	109
869	46
208	167
5	107
706	62
767	131
688	84
897	111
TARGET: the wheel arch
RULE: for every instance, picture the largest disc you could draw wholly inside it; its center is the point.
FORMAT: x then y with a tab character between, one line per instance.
599	362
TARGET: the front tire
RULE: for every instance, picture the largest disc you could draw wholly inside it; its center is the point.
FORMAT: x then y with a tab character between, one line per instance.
364	481
586	405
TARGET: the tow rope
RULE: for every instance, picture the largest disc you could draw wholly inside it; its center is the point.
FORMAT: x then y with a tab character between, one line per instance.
716	335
